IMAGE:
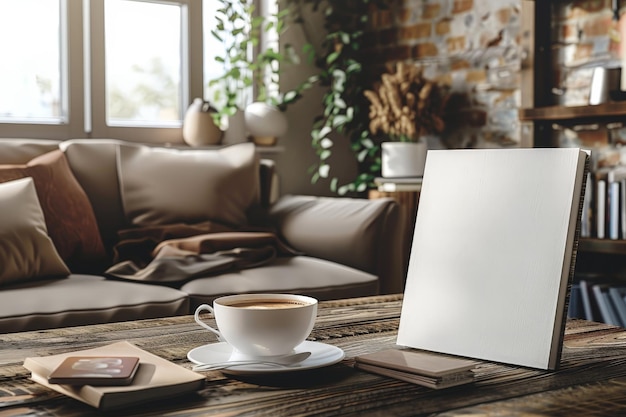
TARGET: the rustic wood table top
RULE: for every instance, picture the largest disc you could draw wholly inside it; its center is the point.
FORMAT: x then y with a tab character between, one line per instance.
590	382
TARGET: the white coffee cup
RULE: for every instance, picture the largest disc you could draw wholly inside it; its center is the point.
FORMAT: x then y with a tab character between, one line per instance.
262	324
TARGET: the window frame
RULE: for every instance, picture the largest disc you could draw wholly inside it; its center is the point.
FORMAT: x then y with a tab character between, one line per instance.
72	98
191	76
83	77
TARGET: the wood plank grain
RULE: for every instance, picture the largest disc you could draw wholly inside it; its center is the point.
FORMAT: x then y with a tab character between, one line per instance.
593	369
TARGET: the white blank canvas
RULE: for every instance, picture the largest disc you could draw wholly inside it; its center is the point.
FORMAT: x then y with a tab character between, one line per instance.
491	255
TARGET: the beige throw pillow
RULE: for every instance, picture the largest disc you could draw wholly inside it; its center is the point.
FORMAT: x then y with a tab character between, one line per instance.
26	250
163	185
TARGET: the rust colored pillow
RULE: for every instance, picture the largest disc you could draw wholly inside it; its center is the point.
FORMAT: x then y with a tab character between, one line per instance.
69	215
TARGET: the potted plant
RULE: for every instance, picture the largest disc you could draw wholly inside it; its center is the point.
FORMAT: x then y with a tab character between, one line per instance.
343	72
405	107
251	71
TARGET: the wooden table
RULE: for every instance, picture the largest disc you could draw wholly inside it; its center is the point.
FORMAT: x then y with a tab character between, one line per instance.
591	381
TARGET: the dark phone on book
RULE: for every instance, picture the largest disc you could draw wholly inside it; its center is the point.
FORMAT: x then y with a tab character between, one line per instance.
95	370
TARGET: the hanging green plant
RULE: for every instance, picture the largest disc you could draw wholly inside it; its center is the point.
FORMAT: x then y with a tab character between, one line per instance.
345	106
250	72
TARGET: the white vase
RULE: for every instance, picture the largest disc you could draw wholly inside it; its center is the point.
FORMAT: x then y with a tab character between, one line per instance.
199	128
403	159
235	129
265	123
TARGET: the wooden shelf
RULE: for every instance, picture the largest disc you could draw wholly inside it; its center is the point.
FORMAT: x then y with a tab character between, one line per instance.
578	113
608	246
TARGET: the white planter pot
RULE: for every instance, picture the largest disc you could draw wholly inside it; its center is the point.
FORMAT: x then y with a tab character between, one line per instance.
403	159
265	123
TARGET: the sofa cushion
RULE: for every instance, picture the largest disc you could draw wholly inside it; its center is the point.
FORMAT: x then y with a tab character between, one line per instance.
299	274
94	164
70	219
26	251
20	151
162	186
84	299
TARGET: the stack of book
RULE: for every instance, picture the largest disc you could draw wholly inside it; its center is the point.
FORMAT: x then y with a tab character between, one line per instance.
604	211
418	367
598	301
155	378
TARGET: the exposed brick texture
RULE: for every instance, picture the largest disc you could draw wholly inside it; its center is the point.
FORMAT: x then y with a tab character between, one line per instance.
417	31
461	44
424	50
460	6
442	27
431	10
473	48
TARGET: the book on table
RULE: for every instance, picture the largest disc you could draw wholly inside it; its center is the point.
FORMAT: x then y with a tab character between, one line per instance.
493	254
422	368
155	378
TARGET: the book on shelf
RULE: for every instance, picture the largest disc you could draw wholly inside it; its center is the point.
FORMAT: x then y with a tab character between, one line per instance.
599	299
605	206
608	313
156	378
575	309
600	209
618	297
590	306
493	254
418	367
398	184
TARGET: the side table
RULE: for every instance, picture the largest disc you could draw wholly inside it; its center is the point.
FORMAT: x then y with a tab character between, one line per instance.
408	201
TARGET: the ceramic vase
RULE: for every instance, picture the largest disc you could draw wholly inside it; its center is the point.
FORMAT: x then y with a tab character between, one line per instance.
403	159
265	123
199	128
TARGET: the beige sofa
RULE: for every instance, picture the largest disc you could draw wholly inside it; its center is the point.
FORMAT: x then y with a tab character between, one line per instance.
346	247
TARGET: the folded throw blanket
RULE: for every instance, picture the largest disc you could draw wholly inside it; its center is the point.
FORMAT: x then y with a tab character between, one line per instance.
161	255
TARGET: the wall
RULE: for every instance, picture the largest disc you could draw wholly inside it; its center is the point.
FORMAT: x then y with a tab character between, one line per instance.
472	46
299	156
587	34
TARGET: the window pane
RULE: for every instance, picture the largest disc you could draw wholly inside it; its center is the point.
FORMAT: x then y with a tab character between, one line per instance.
143	62
30	74
214	11
213	48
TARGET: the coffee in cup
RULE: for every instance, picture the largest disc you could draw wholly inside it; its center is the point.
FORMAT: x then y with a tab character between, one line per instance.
262	324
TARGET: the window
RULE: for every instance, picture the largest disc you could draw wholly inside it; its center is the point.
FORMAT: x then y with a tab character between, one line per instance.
99	68
143	63
30	77
123	69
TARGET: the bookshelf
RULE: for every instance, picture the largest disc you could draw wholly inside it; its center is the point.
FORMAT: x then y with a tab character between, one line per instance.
600	260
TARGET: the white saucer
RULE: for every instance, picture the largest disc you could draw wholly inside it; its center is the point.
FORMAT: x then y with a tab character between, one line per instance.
321	355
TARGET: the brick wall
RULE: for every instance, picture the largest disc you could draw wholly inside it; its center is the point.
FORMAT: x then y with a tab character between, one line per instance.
471	46
585	35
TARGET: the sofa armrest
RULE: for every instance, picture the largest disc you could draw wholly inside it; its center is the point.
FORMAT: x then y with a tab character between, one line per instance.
363	234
